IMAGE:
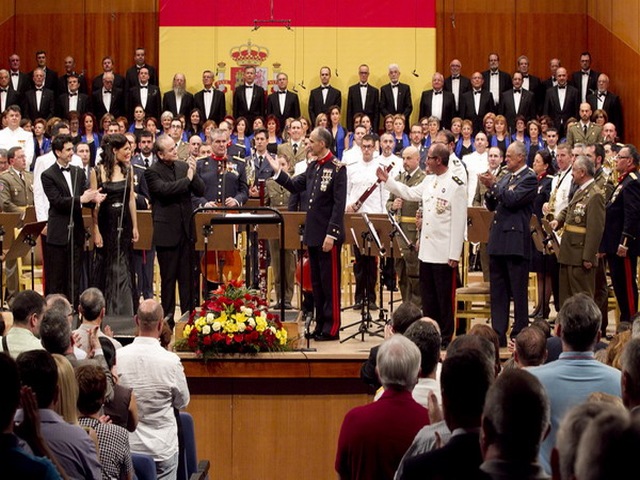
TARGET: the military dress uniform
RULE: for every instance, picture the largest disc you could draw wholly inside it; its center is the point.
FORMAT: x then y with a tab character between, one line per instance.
601	295
622	228
444	219
278	197
583	222
408	265
16	194
223	177
325	183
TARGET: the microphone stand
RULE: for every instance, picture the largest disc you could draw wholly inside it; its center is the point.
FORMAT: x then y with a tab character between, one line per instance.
2	234
70	236
121	218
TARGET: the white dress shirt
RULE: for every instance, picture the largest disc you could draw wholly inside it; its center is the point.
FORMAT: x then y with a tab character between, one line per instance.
360	177
18	138
40	200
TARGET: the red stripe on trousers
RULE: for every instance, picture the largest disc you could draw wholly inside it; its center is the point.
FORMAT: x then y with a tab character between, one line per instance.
335	293
628	283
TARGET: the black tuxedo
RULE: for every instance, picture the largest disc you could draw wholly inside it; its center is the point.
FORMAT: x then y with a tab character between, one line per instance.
612	107
250	112
291	106
62	107
448	107
218	106
170	104
82	82
24	83
13	98
317	105
354	105
59	249
465	86
504	80
154	102
468	109
118	82
116	107
507	106
561	115
50	80
171	190
536	87
47	105
405	105
131	77
592	83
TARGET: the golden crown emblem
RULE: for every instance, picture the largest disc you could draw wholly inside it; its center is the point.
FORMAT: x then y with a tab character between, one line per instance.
249	54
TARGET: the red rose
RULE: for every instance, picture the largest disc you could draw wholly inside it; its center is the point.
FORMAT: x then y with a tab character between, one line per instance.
207	340
217	337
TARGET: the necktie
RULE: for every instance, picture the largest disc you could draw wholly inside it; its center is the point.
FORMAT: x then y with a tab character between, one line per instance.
21	177
408	177
260	159
295	149
584	129
146	162
602	94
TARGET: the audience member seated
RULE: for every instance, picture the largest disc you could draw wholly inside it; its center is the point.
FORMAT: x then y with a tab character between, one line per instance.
73	448
27	310
57	301
122	409
570	379
55	335
158	380
17	461
401	319
374	437
515	420
92	309
425	333
630	364
113	440
66	404
466	377
531	347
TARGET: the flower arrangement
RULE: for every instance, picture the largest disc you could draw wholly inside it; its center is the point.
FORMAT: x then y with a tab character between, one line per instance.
234	320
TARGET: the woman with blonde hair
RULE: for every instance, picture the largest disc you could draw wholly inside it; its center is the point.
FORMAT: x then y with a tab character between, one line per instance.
67	390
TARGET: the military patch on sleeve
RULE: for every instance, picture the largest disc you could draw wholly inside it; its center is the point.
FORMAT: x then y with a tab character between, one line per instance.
338	164
457	180
633	175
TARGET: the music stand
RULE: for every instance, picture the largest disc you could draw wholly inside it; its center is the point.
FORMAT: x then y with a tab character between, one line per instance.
397	240
358	230
8	223
26	241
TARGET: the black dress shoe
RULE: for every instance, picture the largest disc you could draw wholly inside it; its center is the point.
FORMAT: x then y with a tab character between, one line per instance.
357	305
275	306
288	306
325	337
372	305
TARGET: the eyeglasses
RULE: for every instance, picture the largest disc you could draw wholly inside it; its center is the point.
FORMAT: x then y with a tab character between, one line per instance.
621	157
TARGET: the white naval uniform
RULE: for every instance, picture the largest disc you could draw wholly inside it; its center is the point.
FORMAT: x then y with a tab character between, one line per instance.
360	176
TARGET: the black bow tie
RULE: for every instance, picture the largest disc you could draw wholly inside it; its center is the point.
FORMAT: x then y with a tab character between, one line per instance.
107	91
282	92
477	92
15	74
39	89
602	94
325	88
65	169
585	73
394	85
516	91
365	85
71	94
438	93
494	73
455	77
5	90
207	90
525	75
248	86
562	87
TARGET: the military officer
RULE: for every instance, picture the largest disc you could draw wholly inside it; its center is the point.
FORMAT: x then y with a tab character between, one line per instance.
408	266
16	194
444	219
585	131
325	183
622	229
580	244
225	178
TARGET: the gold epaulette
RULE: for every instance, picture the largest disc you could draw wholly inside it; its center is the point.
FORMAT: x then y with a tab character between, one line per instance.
457	180
238	159
338	163
633	175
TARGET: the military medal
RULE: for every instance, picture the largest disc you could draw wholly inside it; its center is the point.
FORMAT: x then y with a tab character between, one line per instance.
326	178
441	205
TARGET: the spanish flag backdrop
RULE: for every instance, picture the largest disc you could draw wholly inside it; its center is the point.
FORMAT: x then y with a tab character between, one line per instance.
297	37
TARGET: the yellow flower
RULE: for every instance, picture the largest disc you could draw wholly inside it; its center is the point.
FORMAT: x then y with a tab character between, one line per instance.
281	335
186	331
240	317
230	326
261	324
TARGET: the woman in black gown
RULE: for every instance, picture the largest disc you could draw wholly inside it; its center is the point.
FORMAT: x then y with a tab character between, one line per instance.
115	227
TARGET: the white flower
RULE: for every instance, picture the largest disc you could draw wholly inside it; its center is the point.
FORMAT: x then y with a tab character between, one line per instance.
241	327
206	330
251	322
210	318
216	326
273	329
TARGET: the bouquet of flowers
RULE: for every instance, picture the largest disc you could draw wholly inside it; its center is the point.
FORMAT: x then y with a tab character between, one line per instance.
234	320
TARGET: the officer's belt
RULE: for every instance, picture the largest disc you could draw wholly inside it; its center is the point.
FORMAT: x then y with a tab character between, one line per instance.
575	229
407	219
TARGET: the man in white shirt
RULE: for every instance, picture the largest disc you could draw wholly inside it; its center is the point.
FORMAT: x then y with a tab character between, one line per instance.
476	162
27	310
354	154
159	383
14	135
388	158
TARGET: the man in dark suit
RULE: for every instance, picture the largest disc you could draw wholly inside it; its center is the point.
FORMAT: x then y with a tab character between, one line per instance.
364	98
437	102
531	82
511	198
603	99
107	67
210	101
456	83
108	98
324	96
70	70
39	102
64	186
131	76
50	76
561	101
178	100
325	182
144	94
517	101
585	79
475	104
495	80
73	100
550	82
8	96
171	184
20	81
283	103
248	98
395	97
